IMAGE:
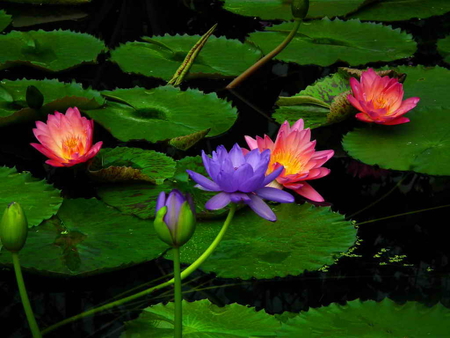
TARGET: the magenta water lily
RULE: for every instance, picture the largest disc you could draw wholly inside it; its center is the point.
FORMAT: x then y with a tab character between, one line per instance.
240	178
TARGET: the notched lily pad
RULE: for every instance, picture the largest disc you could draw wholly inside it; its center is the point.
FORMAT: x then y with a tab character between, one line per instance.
85	238
54	51
38	199
124	164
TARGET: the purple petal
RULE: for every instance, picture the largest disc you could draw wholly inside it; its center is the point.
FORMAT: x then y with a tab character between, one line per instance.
160	202
238	197
242	175
274	194
173	204
207	163
226	182
236	156
252	184
273	175
203	181
253	158
261	208
218	202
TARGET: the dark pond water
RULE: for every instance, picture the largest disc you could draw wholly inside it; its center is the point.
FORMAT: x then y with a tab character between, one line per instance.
363	193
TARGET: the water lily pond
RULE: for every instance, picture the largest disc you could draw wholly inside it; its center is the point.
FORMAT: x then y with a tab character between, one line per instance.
224	168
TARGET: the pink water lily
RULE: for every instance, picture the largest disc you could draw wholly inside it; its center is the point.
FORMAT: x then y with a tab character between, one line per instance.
66	139
294	150
380	99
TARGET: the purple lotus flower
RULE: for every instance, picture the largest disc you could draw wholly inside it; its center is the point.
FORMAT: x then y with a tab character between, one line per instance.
240	179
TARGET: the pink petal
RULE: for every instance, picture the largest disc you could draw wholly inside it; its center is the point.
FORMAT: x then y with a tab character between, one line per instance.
47	152
399	120
57	164
407	105
252	143
298	125
310	193
354	102
317	173
356	89
363	117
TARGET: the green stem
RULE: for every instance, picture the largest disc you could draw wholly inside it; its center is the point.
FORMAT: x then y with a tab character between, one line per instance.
190	269
266	58
24	297
178	294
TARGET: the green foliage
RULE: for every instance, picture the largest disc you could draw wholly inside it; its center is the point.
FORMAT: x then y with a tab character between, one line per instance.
443	46
325	42
163	113
54	51
57	96
5	20
123	164
369	319
88	237
162	55
38	199
303	238
50	2
202	319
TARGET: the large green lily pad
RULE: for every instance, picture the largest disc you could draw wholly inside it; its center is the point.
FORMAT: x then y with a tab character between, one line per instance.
398	10
422	145
140	199
57	96
163	113
123	164
281	9
161	56
325	42
202	319
54	51
88	237
303	238
38	199
5	20
443	46
370	319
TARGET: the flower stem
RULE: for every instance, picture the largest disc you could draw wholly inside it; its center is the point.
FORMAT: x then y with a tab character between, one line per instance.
237	81
24	297
178	294
190	269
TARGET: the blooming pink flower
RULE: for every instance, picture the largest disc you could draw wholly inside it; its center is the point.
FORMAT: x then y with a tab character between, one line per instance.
380	99
66	139
294	150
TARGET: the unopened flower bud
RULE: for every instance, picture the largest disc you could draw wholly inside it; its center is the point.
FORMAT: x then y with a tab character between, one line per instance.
299	8
13	228
175	218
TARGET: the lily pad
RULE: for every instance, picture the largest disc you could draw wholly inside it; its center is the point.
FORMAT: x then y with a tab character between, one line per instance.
54	51
203	319
329	91
422	145
123	164
38	199
163	113
370	319
161	56
57	96
5	20
398	10
88	237
303	238
443	46
281	9
140	199
325	42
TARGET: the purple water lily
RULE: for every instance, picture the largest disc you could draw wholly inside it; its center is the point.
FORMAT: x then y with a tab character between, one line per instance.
240	179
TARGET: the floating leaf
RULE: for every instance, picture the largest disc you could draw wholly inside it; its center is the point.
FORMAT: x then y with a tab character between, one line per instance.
88	237
163	113
367	319
303	238
203	319
422	145
140	199
5	20
38	199
331	90
325	42
185	142
38	15
123	164
57	96
55	50
443	46
397	10
281	9
161	56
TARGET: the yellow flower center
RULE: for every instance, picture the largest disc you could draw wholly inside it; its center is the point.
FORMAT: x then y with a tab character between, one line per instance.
292	164
71	145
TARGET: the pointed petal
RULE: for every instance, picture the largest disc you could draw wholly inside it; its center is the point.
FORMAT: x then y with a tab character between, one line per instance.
261	208
252	144
273	175
299	125
218	202
393	122
161	200
238	197
203	181
309	192
276	195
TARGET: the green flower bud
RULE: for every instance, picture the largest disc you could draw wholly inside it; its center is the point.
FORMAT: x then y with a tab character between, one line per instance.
299	8
175	218
13	228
